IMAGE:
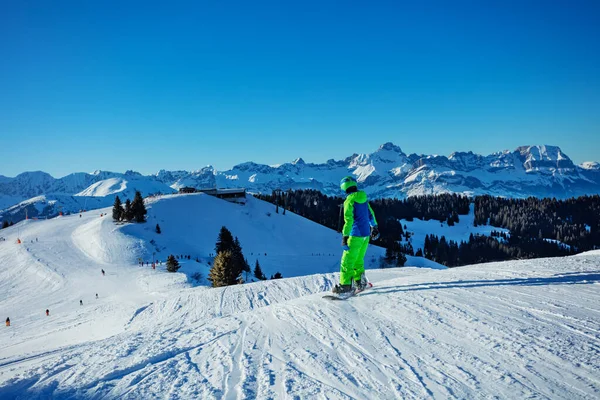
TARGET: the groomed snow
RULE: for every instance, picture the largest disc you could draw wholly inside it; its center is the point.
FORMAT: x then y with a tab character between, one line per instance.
526	329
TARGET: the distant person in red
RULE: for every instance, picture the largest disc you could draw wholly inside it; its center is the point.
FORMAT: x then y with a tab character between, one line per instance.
7	321
47	312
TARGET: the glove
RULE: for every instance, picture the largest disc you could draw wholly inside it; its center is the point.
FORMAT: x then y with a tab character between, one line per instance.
345	243
374	233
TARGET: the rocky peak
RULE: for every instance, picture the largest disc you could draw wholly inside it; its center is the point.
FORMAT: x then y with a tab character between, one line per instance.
590	165
389	146
543	157
298	161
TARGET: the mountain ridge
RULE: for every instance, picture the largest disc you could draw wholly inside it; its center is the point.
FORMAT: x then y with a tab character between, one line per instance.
533	170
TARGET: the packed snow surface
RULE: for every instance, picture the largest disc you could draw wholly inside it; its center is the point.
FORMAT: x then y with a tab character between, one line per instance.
523	329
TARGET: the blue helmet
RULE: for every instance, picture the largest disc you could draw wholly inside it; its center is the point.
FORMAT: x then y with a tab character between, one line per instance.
347	182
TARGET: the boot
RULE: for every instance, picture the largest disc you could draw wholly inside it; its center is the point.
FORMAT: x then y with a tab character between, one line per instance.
342	289
362	283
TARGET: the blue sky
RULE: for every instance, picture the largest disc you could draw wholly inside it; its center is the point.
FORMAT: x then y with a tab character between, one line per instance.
179	85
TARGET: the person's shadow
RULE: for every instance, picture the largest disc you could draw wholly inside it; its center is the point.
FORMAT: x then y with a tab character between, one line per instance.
573	278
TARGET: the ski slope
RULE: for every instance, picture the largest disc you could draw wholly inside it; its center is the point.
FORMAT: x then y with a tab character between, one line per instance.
526	329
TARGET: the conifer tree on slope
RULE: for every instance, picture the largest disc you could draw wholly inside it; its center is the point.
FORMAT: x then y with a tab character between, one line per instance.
224	241
117	211
221	273
258	272
138	208
128	213
246	269
172	264
240	264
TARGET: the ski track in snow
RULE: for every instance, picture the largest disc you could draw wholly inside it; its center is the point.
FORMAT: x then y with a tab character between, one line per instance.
524	329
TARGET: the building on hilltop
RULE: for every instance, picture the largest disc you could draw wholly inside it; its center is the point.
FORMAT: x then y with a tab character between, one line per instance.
236	195
187	189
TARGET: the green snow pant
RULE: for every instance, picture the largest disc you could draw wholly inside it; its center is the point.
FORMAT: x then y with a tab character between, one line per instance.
353	260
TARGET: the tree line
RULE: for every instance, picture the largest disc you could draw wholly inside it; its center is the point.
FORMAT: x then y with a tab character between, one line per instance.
538	227
480	248
6	224
325	210
132	210
575	221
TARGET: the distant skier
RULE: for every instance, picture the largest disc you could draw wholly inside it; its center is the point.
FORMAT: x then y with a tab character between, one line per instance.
359	225
80	302
47	312
7	321
96	296
103	272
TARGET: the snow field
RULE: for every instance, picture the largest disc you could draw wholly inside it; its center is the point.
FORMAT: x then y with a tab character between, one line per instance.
458	233
524	329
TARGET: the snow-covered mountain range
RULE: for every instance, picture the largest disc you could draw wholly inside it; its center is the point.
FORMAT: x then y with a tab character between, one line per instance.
541	171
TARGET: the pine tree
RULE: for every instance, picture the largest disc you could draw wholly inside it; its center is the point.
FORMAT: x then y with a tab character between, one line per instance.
117	211
221	272
258	272
239	262
172	264
128	213
277	275
285	201
246	268
400	260
389	255
138	208
224	241
158	228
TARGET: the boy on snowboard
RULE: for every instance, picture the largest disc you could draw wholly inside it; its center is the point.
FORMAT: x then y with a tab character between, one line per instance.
360	225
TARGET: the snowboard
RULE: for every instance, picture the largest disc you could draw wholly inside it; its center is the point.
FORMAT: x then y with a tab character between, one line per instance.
348	295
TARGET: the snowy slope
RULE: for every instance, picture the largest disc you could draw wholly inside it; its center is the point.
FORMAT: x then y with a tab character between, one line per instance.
60	260
190	225
125	187
526	329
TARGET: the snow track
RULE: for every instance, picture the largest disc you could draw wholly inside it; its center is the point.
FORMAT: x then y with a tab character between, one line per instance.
427	335
527	329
